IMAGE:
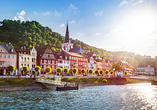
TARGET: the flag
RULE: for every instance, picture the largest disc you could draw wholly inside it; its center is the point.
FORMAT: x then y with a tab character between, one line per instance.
20	55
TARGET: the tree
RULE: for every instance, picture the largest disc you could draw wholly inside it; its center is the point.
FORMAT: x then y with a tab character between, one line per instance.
125	73
83	71
101	72
111	72
106	72
48	70
90	71
25	69
36	69
59	70
74	70
66	70
11	68
96	72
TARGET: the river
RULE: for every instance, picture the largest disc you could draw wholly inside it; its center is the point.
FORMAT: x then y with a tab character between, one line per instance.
112	97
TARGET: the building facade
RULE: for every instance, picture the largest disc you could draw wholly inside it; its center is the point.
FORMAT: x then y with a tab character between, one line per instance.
46	58
26	57
8	56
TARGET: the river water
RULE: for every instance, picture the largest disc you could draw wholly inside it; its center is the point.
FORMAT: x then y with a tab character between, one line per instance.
112	97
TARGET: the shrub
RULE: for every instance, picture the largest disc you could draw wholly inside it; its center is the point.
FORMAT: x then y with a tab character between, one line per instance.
83	71
104	81
96	72
112	72
106	72
90	71
66	70
74	71
101	72
25	69
125	73
11	68
48	69
59	70
37	69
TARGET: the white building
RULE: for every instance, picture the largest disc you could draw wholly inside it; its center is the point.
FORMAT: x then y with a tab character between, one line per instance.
145	70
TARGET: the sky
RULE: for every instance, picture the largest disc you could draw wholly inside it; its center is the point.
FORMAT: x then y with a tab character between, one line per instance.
113	25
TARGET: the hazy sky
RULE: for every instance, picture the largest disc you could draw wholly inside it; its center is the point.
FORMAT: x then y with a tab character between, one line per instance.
114	25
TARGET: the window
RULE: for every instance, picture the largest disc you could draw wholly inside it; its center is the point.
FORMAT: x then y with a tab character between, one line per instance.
33	54
13	56
5	63
46	61
5	55
0	50
22	59
9	56
21	65
0	64
13	63
0	55
42	61
9	63
48	56
27	59
60	61
70	57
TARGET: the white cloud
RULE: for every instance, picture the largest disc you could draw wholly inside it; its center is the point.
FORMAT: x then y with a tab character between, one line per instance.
97	34
72	6
135	2
22	13
35	12
98	13
124	2
62	25
57	13
138	2
73	21
80	34
15	18
20	16
46	13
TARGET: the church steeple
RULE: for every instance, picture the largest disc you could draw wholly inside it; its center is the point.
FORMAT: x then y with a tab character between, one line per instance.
67	38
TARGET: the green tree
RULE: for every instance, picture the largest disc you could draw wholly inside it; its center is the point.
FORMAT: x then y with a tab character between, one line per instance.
66	70
11	68
37	70
90	71
48	70
59	70
74	70
96	72
25	69
83	71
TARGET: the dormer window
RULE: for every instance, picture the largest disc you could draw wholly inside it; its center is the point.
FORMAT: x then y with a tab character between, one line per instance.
11	50
0	50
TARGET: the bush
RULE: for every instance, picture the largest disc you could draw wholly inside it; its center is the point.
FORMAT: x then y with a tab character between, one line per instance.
66	70
48	69
59	70
83	71
96	72
90	71
74	71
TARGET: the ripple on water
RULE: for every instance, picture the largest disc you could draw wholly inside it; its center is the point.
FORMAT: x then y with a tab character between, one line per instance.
131	96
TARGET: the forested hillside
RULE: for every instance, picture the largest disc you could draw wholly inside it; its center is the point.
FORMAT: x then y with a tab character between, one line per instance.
31	33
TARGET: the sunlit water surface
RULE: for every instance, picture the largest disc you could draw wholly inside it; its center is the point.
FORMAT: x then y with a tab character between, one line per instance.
115	97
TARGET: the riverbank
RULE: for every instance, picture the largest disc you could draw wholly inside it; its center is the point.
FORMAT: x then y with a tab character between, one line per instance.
15	84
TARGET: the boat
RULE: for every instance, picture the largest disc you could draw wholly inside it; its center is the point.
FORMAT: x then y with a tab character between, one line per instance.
64	88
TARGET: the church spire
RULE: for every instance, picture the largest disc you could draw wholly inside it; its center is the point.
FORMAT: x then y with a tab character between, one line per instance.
67	38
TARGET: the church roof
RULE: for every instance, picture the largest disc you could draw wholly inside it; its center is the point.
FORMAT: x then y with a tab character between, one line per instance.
67	38
74	54
77	50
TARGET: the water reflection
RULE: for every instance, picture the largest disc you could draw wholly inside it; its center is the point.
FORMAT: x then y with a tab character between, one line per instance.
115	97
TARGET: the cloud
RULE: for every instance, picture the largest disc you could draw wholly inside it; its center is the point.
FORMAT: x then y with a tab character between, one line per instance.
22	13
138	2
46	13
135	2
62	25
97	34
73	21
72	6
98	13
35	12
124	2
80	34
15	18
20	16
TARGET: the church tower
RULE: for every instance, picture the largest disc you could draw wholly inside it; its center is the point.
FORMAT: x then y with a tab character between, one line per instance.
67	45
